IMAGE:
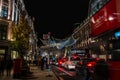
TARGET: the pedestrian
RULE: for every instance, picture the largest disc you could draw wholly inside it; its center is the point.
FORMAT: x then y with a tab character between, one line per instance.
46	62
9	66
88	74
2	67
42	63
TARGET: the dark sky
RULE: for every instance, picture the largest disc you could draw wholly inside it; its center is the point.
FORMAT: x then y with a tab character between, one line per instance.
56	16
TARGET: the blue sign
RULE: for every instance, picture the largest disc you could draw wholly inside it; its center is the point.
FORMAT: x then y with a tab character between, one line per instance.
117	34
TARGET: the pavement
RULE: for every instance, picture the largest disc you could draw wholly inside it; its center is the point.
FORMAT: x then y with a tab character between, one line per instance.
37	74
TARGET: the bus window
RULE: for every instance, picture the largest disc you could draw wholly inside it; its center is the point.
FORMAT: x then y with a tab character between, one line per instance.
96	5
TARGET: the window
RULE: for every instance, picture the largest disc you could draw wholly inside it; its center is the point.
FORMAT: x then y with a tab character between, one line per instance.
4	12
3	32
96	5
6	1
16	1
2	51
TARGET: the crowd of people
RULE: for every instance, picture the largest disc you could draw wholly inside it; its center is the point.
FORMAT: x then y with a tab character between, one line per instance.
6	66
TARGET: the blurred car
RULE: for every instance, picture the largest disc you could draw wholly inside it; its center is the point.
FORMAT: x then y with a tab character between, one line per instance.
86	67
61	62
79	68
71	62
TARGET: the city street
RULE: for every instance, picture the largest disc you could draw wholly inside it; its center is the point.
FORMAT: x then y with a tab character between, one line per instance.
37	74
60	40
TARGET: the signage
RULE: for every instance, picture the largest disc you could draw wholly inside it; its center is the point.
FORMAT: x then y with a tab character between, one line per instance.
46	36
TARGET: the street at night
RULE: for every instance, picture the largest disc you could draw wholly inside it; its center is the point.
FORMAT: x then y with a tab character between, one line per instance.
59	40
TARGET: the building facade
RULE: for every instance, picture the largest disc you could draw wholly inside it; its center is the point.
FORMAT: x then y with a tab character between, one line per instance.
10	13
82	33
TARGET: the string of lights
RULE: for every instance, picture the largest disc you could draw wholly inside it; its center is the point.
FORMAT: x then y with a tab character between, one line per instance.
61	43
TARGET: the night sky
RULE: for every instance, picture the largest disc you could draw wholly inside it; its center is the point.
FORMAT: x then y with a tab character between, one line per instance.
56	16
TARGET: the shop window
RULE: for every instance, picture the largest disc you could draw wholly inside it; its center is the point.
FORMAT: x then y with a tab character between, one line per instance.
2	51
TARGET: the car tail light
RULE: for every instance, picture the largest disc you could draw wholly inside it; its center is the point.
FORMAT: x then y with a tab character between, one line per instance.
60	62
91	64
81	62
97	59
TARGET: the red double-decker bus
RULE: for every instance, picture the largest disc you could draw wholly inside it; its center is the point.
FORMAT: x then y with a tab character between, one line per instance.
104	16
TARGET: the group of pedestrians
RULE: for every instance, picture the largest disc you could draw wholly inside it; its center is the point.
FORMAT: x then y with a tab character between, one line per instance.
44	63
6	65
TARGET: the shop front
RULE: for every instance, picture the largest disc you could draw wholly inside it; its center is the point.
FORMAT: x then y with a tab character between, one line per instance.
5	50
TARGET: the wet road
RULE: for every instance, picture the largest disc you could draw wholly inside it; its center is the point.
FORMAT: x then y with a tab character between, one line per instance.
64	74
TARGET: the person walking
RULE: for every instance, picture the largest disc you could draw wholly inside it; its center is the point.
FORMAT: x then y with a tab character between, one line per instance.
9	66
2	67
42	63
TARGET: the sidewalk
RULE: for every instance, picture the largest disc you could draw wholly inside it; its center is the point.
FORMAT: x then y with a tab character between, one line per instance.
37	74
